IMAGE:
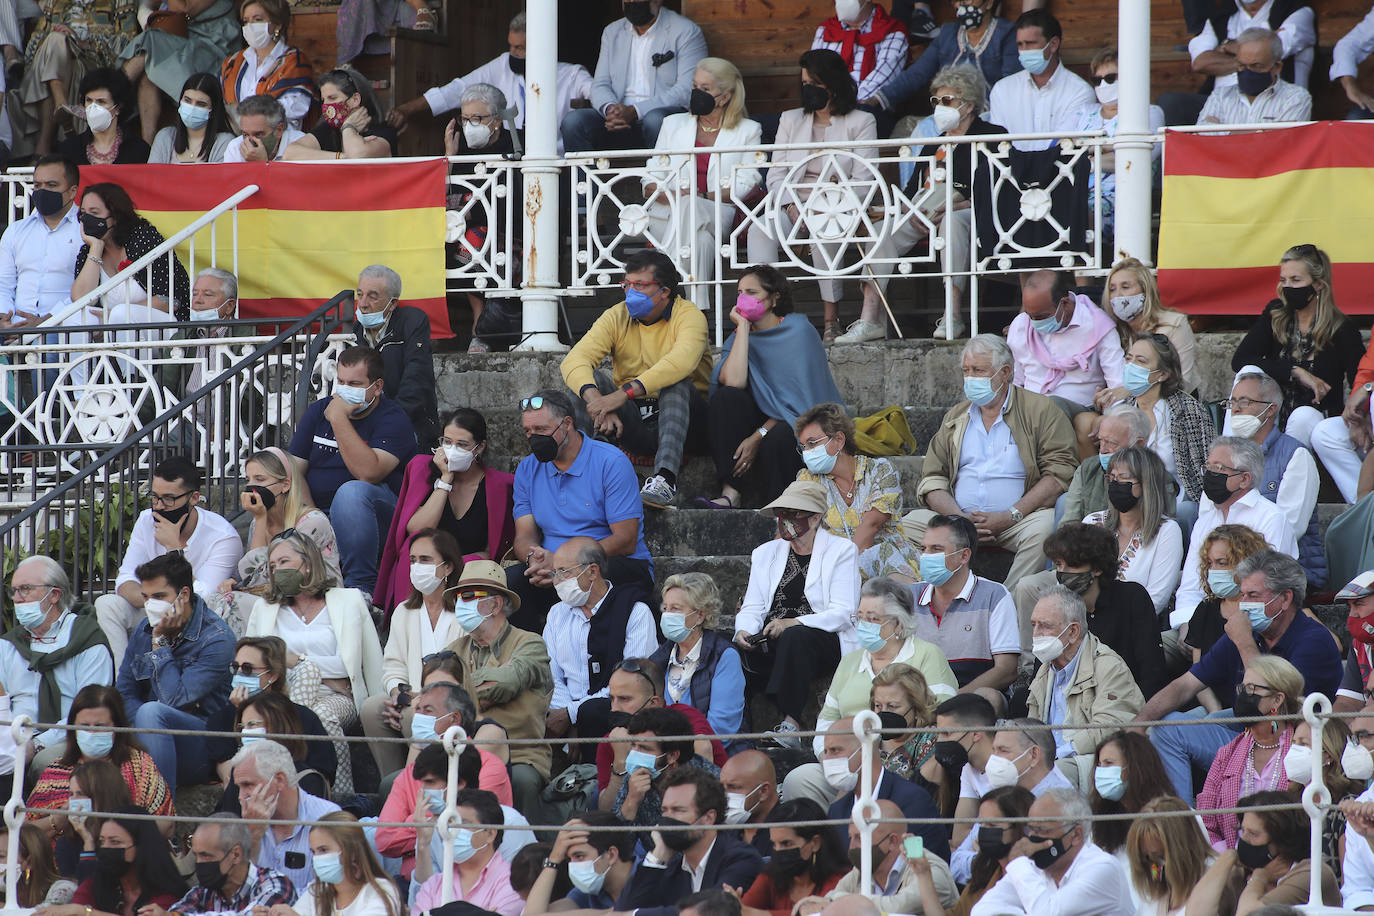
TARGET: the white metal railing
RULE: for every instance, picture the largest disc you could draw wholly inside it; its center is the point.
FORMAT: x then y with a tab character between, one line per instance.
483	224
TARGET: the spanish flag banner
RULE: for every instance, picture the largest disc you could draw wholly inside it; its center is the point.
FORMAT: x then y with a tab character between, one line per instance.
1234	204
308	230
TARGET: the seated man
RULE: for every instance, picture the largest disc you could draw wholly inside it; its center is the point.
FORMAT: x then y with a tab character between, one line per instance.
971	619
55	648
37	253
661	744
653	399
571	485
1056	867
506	671
1122	426
1025	757
1358	679
227	881
480	874
175	522
643	75
1000	459
591	629
873	44
1046	96
1259	93
400	333
355	445
1230	486
430	770
1215	50
1342	443
598	863
1290	473
175	673
1350	51
506	72
1080	682
214	300
268	790
842	761
1272	589
682	862
751	794
265	133
963	755
895	887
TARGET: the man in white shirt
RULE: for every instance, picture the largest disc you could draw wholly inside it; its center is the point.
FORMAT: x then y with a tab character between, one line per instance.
38	252
175	522
507	73
266	133
591	629
1045	96
1230	481
1346	57
1066	348
1293	23
1056	867
1258	92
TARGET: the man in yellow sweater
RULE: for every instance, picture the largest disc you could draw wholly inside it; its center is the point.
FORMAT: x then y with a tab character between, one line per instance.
653	399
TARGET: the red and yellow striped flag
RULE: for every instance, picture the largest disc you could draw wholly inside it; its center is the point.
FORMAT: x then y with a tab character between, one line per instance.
310	228
1234	204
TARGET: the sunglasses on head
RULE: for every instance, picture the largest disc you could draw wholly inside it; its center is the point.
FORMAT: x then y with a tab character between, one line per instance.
441	655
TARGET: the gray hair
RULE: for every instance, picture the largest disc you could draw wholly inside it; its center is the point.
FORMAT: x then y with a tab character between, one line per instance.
263	105
1073	808
1246	455
968	81
493	98
1255	33
991	346
898	602
593	552
269	758
517	23
386	275
1033	731
1136	421
1070	606
556	402
457	699
229	284
1269	390
232	832
701	592
1282	573
54	576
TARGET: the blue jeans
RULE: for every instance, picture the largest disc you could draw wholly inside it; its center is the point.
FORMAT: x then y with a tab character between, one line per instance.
361	514
1183	746
585	129
178	758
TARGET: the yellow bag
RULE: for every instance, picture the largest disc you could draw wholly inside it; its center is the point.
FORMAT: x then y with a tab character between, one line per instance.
884	434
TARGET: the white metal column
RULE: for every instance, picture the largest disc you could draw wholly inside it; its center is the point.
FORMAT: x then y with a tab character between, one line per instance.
540	178
1133	169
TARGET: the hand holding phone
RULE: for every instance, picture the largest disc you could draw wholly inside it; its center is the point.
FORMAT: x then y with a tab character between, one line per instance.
915	847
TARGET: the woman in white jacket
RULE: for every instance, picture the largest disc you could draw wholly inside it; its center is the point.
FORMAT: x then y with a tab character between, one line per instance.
677	217
333	656
795	621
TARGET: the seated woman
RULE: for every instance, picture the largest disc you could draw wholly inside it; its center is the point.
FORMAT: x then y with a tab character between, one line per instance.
863	495
1104	117
716	120
806	861
39	882
134	871
1131	297
333	657
1270	864
1127	774
453	491
268	66
259	668
421	626
1253	760
352	124
1224	547
701	668
1298	765
104	97
271	713
993	841
277	498
96	785
1303	342
902	699
1167	857
828	113
1149	545
348	876
202	130
771	370
794	622
979	37
158	61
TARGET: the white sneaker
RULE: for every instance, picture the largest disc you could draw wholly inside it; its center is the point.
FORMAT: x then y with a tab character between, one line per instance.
657	493
862	331
784	734
959	328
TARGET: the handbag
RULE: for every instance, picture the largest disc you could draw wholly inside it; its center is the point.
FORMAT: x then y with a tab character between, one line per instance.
885	434
178	24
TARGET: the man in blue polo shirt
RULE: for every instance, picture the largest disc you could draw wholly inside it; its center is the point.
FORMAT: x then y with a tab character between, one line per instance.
1272	589
570	486
355	444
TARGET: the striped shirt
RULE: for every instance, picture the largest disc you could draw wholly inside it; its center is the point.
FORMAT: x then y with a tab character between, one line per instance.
891	53
1280	102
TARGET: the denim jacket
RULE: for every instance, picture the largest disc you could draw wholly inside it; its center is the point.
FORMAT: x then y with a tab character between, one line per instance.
191	674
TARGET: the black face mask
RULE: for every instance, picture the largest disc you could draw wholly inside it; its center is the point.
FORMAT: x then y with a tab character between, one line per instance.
265	496
1298	297
209	876
676	840
112	862
1120	495
1044	858
94	226
813	97
951	755
990	842
543	448
617	719
517	65
970	17
1076	582
639	12
702	103
785	863
1253	856
46	201
891	719
1251	83
1214	484
175	515
1246	704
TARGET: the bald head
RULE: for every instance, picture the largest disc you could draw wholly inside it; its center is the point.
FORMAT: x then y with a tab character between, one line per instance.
751	766
852	905
751	785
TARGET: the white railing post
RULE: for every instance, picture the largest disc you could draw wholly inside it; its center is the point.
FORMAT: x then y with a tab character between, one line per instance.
1315	709
866	812
20	730
541	173
455	739
1133	138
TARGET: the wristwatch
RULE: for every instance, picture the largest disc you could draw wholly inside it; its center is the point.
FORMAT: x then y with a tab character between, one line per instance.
1015	514
441	485
550	863
629	389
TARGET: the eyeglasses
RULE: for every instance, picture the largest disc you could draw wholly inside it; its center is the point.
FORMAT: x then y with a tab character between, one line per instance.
949	101
1107	78
803	447
158	500
1257	690
477	120
643	286
20	591
1222	469
248	668
1242	403
457	443
440	656
560	574
474	594
534	403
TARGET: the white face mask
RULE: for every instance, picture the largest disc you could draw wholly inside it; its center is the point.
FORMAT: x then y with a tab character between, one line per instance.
736	810
458	459
847	10
98	117
1357	762
425	577
1297	764
257	34
571	593
1002	772
946	118
478	135
1047	648
1127	307
838	774
205	314
157	610
1245	425
1108	93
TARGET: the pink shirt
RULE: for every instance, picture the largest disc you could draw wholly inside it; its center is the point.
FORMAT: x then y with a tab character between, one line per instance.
491	892
1088	347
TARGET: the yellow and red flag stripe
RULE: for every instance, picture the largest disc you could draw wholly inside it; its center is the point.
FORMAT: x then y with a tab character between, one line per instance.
310	228
1234	204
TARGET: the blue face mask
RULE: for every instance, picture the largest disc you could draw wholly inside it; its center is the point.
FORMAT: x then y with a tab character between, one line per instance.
1136	379
30	613
979	390
193	116
434	800
1222	582
1255	610
639	304
641	760
585	877
462	846
95	744
469	617
819	460
328	867
1109	783
372	320
1048	326
351	394
1105	460
1034	62
870	635
247	682
674	626
933	568
425	728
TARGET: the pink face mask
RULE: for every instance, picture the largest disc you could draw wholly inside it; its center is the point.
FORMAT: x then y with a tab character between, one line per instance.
752	309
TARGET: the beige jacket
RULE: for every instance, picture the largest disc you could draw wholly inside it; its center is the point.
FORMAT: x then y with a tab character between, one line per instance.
907	898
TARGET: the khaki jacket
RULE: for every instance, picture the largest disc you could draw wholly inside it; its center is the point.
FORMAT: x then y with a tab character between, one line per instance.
511	683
